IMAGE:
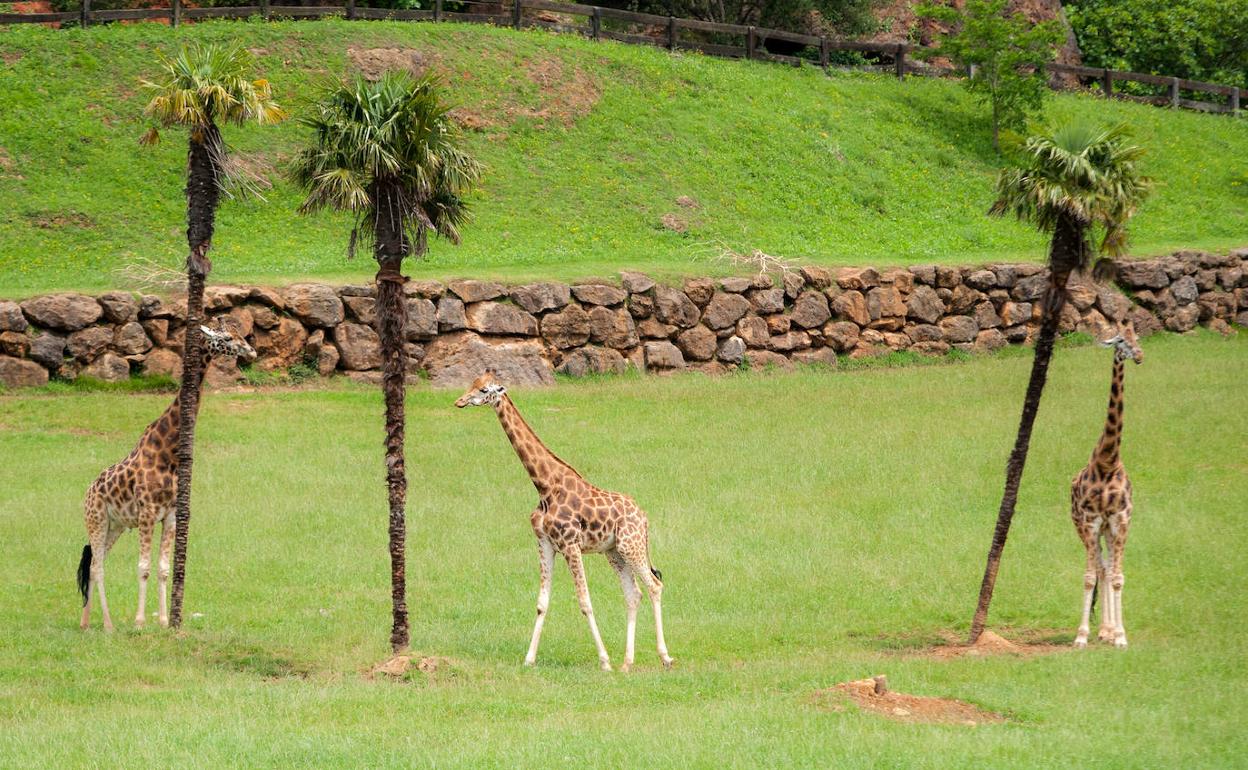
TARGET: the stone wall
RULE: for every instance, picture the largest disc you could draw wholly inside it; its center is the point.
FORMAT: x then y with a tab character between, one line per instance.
528	332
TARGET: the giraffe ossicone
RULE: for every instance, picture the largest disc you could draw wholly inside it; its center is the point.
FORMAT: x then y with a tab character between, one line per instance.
573	517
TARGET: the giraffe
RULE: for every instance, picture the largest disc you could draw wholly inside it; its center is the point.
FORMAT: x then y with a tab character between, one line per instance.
574	517
138	492
1100	506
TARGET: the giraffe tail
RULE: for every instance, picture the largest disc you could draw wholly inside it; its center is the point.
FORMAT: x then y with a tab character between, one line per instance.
84	572
656	573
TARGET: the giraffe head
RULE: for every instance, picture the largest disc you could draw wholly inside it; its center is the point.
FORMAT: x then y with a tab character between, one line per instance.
1125	343
220	342
483	390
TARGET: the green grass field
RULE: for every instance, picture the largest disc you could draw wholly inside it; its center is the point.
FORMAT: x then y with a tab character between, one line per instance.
587	147
811	528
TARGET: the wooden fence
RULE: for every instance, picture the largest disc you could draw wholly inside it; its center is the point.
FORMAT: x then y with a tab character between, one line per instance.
732	40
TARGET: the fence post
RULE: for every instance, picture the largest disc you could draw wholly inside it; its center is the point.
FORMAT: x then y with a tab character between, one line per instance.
900	60
437	10
351	10
176	13
671	33
824	58
1235	101
749	43
1107	82
595	23
264	9
1174	93
85	13
516	14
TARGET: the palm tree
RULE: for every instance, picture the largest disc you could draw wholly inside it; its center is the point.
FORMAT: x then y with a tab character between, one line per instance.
388	153
1074	183
202	86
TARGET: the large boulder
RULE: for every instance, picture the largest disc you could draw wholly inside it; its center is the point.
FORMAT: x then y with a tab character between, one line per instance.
754	332
697	344
593	360
724	310
422	319
477	291
959	328
119	306
315	304
986	316
851	306
224	297
361	309
456	359
699	290
1142	275
499	318
885	302
130	339
88	343
569	328
789	341
841	336
162	362
11	318
281	346
427	289
857	278
539	297
766	301
671	306
612	327
451	316
731	350
811	309
109	368
48	350
20	373
925	305
663	355
636	283
1031	288
1184	290
239	322
819	277
358	345
14	344
599	294
66	312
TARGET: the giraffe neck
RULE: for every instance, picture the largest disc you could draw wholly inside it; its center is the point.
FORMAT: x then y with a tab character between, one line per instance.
1106	454
160	441
544	467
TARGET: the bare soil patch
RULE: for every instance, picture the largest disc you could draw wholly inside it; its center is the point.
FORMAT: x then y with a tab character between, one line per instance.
404	666
57	220
375	62
903	707
674	223
989	644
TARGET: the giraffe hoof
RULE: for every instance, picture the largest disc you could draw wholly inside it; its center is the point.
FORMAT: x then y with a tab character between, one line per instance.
626	668
606	665
529	663
1121	642
1105	635
164	622
1081	643
668	663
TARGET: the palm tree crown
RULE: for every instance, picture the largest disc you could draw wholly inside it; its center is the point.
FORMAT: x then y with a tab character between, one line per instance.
208	83
1081	174
390	145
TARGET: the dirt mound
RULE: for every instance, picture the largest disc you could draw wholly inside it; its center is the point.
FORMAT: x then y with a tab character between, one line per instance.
400	666
375	62
873	695
990	643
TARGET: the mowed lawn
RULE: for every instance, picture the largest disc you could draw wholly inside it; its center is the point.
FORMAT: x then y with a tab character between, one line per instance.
811	529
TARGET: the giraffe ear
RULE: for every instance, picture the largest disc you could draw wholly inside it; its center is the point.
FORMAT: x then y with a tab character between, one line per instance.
1114	340
205	330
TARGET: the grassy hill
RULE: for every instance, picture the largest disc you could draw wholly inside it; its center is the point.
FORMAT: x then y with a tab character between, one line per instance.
589	146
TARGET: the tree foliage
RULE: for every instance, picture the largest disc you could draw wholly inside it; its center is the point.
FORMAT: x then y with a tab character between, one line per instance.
1194	39
1004	54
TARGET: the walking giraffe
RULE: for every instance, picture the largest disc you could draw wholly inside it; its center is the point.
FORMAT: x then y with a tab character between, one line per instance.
574	517
1100	505
138	492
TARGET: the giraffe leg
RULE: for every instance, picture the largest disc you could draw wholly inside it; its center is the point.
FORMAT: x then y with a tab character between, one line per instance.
97	570
641	568
1106	632
146	527
167	528
96	537
1117	545
547	555
632	598
1090	576
573	557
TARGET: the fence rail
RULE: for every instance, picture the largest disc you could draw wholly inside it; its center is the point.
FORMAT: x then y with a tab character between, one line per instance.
660	31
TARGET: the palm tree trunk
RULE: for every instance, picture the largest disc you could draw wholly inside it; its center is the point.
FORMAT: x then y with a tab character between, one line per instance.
1068	239
391	323
202	196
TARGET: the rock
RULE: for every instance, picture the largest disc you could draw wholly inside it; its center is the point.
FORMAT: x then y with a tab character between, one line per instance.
793	284
640	305
990	339
1094	323
851	306
698	343
731	350
224	297
1069	319
20	373
281	346
327	359
497	318
14	344
109	368
603	360
754	332
959	328
1013	313
885	302
778	324
841	336
568	328
1220	304
763	360
358	345
238	322
1017	335
735	285
162	362
857	279
422	319
1142	274
811	309
699	290
931	347
1184	290
673	307
986	316
924	274
48	350
819	277
790	341
154	307
925	305
451	314
1183	319
948	277
1031	288
539	297
130	339
820	357
636	283
1007	276
426	289
266	296
222	372
612	327
88	343
1206	279
66	312
663	356
11	318
119	307
896	340
724	310
262	316
599	294
1145	323
654	329
767	301
1221	327
761	281
313	303
361	309
1231	277
476	291
981	279
709	368
925	333
312	347
964	299
1080	295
